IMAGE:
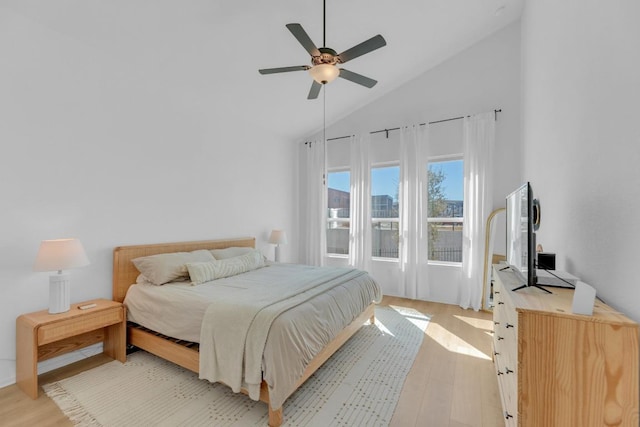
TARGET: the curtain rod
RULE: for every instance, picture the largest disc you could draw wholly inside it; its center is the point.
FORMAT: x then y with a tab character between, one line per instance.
495	112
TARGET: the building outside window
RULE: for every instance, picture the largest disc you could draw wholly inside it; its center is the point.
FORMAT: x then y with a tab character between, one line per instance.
445	195
384	211
338	206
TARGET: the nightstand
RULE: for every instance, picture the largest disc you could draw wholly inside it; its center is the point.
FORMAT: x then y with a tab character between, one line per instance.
41	336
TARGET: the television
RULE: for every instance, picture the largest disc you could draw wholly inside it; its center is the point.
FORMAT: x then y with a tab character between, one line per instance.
522	218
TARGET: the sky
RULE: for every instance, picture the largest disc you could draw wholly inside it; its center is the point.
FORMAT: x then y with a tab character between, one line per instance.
385	180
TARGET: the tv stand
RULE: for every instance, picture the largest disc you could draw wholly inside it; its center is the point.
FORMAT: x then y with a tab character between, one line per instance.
556	368
527	286
508	267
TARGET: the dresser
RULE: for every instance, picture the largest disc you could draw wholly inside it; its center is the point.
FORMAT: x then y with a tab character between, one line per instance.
556	368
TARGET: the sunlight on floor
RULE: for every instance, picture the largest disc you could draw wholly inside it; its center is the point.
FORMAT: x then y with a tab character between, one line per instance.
383	328
413	316
453	343
486	324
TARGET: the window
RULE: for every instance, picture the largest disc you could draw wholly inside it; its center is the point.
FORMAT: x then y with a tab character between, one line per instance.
445	209
338	205
384	211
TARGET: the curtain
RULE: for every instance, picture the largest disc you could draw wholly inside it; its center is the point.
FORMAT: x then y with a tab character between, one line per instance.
413	233
360	227
478	142
316	204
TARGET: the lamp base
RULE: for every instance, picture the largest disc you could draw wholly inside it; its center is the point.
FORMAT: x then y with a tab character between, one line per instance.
59	293
277	254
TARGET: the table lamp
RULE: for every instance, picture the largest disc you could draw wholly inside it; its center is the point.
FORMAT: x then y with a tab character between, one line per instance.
278	237
58	255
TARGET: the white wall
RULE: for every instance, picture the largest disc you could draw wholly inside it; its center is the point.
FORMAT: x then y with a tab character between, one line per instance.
90	151
582	139
484	77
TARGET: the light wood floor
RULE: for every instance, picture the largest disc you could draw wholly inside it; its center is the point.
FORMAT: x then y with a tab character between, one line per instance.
452	381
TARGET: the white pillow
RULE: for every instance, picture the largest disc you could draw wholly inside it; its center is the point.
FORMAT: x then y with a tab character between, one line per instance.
164	268
230	252
201	272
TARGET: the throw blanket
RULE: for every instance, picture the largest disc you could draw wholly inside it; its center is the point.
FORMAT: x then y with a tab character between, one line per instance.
235	327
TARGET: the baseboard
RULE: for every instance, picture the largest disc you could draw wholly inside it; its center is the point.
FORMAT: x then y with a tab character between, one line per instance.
5	382
58	362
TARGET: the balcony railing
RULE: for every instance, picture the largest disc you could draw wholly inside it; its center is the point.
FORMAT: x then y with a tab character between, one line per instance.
447	239
446	254
385	252
447	246
339	251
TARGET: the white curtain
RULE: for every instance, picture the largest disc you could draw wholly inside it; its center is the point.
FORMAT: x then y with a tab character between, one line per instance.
478	142
360	229
316	198
413	211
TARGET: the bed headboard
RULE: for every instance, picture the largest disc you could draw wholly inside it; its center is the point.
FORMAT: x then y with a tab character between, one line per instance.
125	273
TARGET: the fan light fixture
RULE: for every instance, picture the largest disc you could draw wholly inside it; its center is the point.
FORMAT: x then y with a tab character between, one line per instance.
324	60
324	73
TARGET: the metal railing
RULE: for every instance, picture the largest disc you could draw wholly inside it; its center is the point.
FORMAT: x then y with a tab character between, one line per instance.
446	254
339	251
385	252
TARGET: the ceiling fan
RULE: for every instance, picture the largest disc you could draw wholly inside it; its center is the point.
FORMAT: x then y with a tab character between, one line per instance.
324	60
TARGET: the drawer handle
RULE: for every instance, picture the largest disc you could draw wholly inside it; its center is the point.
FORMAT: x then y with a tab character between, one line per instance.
500	373
507	415
509	371
496	323
500	338
496	292
509	325
495	353
500	302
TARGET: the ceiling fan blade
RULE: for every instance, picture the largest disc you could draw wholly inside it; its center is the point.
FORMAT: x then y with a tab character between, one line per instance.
315	90
304	39
283	69
375	42
357	78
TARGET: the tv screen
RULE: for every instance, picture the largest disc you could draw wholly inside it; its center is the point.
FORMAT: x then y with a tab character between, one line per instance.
520	237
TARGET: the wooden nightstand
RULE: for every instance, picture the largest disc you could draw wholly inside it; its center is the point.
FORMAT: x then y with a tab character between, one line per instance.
41	336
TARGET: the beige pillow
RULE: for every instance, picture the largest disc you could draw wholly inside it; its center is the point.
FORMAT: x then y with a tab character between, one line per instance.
201	272
142	280
230	252
164	268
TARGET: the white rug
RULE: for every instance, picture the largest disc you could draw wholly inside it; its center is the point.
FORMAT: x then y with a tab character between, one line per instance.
359	386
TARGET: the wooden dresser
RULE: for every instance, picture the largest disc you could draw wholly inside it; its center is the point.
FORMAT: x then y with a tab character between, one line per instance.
556	368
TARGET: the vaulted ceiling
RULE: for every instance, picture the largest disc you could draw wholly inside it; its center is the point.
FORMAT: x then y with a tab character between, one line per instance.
207	53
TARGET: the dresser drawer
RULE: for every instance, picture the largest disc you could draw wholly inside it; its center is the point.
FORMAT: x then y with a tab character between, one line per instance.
505	342
71	326
508	384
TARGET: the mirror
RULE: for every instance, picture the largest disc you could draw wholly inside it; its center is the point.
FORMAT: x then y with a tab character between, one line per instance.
490	258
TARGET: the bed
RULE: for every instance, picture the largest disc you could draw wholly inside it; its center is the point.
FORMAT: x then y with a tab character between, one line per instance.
323	291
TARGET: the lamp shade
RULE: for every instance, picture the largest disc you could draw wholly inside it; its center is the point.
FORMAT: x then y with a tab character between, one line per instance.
324	73
278	237
60	254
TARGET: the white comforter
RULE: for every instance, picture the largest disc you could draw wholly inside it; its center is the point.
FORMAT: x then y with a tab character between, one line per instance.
268	323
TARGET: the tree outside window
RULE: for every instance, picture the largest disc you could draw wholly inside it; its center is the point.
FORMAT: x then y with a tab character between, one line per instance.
445	210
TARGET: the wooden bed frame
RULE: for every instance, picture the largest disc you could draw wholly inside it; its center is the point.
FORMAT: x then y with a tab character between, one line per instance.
186	354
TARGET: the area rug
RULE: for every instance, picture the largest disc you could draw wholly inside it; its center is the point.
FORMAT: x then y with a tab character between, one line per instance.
358	386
